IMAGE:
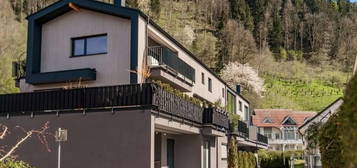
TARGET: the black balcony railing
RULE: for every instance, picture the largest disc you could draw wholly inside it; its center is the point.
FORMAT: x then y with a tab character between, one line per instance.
216	117
164	56
102	97
261	138
176	106
241	129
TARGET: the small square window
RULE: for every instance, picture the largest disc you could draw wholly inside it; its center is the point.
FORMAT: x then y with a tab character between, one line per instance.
210	84
90	45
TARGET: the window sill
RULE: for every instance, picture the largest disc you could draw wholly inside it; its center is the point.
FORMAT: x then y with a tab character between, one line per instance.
75	56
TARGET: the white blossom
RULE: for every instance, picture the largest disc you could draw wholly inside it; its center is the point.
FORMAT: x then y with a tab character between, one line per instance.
235	73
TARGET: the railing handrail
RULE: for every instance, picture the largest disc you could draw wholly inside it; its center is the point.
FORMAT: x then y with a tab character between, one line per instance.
262	138
165	56
217	117
119	96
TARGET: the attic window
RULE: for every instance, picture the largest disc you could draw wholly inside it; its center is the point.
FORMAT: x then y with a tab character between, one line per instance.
89	45
289	121
267	120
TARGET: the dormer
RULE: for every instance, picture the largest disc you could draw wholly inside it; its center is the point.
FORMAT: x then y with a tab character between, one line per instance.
267	120
288	121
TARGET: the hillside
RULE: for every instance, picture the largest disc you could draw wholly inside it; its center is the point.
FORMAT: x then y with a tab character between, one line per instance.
303	49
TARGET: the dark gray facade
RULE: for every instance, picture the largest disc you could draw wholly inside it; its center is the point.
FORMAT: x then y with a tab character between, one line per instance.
95	140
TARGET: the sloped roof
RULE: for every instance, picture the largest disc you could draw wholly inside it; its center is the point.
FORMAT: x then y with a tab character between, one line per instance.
278	116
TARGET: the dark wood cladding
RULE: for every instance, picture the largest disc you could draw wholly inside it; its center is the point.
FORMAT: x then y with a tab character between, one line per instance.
261	138
216	117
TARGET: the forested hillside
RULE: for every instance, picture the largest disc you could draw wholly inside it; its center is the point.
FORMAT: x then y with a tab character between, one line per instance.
286	53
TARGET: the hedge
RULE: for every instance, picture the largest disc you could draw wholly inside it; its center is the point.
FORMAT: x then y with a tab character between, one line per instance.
277	159
239	159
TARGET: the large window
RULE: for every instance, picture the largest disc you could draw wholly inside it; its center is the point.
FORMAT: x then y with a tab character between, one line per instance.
231	103
289	133
90	45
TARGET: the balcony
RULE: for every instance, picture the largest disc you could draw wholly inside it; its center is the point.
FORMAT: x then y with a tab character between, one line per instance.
96	99
165	65
241	129
285	141
216	117
262	139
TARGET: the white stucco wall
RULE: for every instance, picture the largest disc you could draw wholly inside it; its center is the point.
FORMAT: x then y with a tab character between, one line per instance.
198	88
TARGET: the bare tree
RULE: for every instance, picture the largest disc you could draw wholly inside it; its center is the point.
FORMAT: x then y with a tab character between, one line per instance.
41	133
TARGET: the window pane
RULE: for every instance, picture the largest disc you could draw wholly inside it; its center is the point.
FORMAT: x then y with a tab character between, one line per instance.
209	84
96	45
231	103
246	113
78	48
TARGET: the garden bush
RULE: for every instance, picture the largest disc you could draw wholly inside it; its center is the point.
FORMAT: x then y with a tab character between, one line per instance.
277	159
240	159
14	164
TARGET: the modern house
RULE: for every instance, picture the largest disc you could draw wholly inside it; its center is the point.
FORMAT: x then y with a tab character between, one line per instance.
313	156
281	127
90	70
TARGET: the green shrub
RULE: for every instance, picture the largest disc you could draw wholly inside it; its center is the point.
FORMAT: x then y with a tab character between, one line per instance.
14	164
294	55
246	160
277	159
282	55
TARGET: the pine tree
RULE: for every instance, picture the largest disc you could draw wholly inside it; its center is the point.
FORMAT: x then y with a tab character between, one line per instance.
276	34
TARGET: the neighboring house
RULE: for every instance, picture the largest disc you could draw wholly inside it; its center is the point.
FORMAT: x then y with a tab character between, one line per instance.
281	127
84	68
312	156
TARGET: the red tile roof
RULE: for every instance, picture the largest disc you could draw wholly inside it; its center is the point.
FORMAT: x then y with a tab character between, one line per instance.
277	116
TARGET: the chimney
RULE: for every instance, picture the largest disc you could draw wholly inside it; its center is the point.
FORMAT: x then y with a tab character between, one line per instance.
119	3
238	89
